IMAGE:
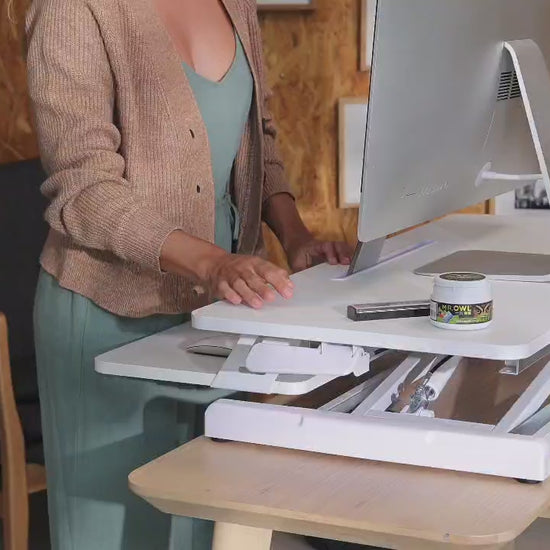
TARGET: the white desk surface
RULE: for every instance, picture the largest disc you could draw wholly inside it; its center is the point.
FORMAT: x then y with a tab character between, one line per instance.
521	327
163	357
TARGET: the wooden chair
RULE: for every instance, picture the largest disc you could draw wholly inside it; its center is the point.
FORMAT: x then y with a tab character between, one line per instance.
19	479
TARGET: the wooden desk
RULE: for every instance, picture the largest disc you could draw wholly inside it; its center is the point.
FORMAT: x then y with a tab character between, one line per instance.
251	491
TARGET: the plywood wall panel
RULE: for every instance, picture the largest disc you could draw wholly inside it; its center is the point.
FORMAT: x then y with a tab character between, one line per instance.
312	61
17	140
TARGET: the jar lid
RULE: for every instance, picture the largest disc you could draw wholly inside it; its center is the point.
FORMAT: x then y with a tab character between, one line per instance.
461	279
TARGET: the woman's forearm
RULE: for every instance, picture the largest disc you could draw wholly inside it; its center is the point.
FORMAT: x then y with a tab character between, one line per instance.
183	254
232	277
282	217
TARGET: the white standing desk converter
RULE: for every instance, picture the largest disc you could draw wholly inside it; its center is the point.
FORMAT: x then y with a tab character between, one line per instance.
521	327
296	346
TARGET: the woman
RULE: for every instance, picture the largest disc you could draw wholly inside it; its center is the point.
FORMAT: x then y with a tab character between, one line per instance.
161	157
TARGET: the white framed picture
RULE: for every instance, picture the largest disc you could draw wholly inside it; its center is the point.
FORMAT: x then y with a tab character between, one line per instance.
352	126
265	5
368	18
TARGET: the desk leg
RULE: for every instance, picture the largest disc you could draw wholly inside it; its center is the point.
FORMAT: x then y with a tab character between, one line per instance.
230	536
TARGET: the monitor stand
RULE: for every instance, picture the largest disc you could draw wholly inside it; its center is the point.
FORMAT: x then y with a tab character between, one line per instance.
366	255
534	82
369	255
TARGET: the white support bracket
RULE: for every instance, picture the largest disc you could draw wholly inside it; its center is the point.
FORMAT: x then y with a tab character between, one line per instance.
431	387
528	403
295	357
289	367
517	366
382	397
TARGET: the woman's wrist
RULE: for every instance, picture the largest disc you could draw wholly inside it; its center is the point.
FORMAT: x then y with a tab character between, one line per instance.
281	215
295	237
183	254
207	260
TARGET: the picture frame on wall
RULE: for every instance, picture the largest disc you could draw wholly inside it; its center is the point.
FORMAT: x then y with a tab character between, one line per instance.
352	127
280	5
367	18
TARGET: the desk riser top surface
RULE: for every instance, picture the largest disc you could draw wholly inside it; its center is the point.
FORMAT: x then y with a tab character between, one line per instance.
318	310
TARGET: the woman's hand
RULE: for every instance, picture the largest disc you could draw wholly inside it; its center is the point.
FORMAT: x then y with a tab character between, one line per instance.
302	249
235	278
310	251
246	279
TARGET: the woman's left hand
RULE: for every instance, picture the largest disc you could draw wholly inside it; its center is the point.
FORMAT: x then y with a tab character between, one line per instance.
309	252
302	249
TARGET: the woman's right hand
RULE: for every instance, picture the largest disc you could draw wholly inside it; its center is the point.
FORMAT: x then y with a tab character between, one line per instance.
236	278
246	279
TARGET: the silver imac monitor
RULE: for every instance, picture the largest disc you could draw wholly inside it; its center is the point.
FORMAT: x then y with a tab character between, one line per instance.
459	110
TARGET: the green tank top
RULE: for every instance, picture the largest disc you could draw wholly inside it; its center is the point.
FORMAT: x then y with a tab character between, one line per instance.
224	106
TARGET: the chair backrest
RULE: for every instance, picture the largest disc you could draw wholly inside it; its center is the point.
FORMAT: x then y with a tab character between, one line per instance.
22	234
12	448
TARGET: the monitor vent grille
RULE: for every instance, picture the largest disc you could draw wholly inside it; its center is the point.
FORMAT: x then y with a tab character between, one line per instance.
508	87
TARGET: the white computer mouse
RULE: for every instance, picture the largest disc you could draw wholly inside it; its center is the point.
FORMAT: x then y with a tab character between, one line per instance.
219	345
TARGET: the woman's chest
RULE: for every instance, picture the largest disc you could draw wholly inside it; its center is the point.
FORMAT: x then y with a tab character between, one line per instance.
202	33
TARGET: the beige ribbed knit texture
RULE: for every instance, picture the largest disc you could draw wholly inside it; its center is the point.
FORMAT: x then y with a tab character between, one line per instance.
126	150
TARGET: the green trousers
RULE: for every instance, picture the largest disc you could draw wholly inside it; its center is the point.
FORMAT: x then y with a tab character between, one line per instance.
99	428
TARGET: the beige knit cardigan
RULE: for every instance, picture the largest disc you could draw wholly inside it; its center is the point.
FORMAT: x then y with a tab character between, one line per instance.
126	150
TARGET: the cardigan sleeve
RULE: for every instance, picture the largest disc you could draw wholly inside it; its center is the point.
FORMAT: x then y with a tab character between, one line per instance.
73	97
275	177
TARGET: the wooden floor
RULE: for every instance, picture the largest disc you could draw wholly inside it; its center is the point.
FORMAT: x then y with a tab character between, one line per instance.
537	537
283	541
